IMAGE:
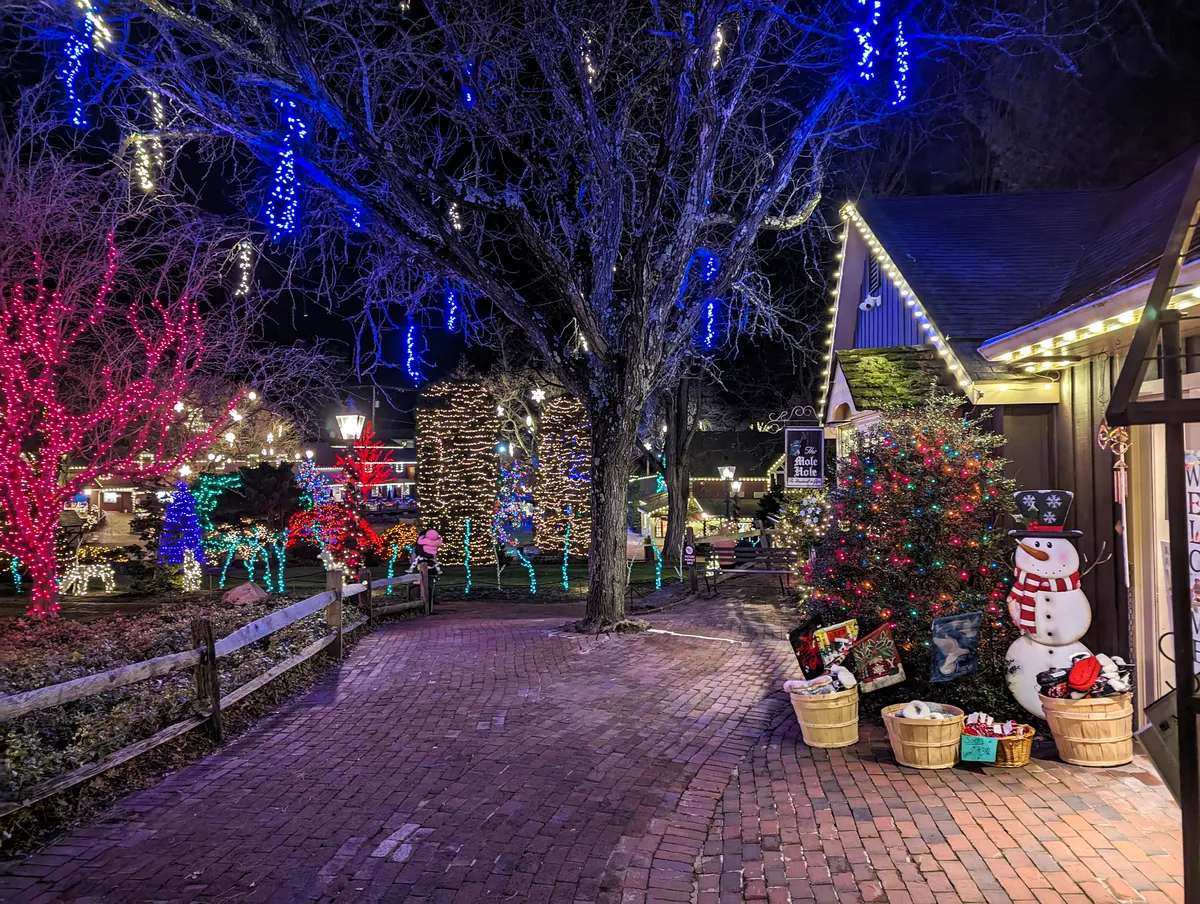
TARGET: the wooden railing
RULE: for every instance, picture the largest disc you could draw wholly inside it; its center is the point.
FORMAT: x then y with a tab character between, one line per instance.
203	660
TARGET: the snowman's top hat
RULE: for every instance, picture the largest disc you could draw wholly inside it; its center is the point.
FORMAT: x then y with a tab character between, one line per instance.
1044	512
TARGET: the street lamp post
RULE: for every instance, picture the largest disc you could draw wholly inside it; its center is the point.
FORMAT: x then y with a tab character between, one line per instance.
727	472
736	486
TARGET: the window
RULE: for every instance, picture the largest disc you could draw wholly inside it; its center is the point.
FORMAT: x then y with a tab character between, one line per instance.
110	497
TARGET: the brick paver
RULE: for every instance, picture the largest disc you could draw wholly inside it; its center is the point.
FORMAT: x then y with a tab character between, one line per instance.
485	754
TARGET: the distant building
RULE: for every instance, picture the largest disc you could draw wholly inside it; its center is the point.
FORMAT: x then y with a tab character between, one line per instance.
756	458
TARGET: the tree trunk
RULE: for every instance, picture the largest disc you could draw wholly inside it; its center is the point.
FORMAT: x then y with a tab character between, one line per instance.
678	470
614	431
40	557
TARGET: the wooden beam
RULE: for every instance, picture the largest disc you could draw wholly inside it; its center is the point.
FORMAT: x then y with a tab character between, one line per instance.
208	679
15	705
269	624
69	779
1133	373
83	773
398	607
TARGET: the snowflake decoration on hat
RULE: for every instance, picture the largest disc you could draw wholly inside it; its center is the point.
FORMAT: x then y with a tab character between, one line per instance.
1049	517
1054	500
1029	499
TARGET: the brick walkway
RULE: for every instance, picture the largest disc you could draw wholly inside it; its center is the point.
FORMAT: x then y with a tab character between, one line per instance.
483	754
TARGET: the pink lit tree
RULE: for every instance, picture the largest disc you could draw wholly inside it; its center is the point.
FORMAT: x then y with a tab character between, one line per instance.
88	387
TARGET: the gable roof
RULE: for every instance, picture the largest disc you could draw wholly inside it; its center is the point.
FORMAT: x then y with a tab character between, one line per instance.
903	375
984	265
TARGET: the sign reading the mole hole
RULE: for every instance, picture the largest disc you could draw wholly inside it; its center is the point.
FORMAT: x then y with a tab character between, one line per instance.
804	458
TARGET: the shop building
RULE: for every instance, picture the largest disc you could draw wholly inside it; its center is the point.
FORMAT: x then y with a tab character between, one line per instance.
1024	305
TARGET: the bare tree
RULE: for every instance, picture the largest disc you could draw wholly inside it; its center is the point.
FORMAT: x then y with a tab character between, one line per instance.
597	174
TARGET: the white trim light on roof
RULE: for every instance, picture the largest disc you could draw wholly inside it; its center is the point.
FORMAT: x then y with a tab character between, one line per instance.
1067	338
936	339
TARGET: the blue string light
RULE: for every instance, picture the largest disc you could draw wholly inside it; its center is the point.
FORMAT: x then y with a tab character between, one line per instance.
181	529
657	564
75	50
467	555
708	340
901	80
566	549
866	40
283	205
452	310
412	359
281	557
392	565
467	92
14	565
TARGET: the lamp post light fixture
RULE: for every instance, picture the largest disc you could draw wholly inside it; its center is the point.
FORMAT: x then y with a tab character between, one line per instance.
351	423
727	472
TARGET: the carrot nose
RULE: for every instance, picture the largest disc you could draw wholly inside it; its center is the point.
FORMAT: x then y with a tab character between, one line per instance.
1038	554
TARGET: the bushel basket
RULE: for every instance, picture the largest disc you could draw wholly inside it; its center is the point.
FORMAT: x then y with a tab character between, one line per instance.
1094	731
828	720
925	743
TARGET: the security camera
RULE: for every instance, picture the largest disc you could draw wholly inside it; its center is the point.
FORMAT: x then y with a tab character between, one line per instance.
870	303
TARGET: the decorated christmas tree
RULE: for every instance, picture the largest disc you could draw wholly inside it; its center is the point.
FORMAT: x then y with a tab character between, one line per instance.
182	532
918	537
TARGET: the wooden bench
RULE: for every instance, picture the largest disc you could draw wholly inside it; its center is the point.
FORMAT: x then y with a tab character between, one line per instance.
779	561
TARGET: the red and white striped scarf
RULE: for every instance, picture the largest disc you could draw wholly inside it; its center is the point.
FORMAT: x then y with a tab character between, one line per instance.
1028	585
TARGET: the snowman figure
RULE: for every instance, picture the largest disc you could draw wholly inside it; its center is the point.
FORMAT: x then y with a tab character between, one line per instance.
1045	601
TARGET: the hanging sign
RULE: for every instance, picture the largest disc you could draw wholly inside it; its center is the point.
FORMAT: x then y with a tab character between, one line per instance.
804	458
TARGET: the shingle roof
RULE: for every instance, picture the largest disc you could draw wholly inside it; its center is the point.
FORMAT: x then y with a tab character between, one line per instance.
900	375
986	264
1134	234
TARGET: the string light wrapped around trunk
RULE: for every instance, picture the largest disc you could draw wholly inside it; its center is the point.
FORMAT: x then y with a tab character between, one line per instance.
562	491
456	467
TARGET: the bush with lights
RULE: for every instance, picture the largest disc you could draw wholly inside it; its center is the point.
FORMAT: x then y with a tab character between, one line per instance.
918	535
805	517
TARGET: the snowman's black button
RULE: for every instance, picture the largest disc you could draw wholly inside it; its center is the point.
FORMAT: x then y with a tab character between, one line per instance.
1049	633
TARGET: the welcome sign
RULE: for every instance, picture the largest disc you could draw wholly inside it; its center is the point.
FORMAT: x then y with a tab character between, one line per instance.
804	458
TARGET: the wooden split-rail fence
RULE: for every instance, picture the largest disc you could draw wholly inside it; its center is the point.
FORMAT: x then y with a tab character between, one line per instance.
202	659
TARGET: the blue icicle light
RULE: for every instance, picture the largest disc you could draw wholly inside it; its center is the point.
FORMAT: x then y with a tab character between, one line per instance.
412	357
75	50
283	205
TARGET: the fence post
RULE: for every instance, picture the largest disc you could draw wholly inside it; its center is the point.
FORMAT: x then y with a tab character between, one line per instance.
370	597
208	679
689	543
333	612
426	590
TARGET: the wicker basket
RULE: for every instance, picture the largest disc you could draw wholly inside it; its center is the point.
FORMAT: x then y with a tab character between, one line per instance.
925	743
828	720
1014	750
1094	731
